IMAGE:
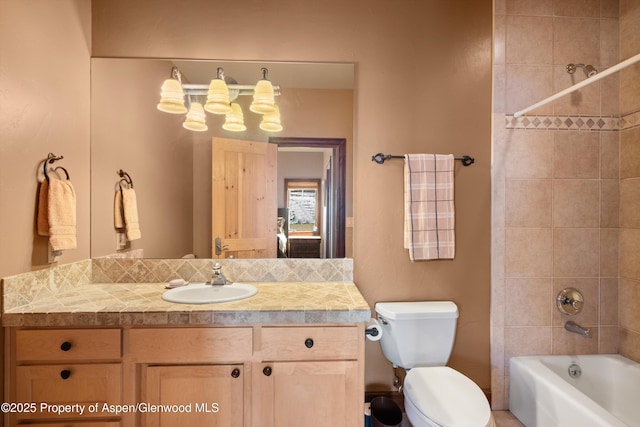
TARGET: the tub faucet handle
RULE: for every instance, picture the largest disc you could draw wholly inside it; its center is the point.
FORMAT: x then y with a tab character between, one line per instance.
569	301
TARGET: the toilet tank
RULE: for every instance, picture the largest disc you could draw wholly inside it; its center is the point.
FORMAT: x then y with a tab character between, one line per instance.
417	333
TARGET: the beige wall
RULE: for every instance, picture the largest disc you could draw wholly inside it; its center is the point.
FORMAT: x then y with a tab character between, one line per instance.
45	50
629	185
556	192
432	60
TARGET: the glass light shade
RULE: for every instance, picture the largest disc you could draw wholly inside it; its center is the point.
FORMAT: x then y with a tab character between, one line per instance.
235	119
195	120
271	121
218	98
172	97
263	98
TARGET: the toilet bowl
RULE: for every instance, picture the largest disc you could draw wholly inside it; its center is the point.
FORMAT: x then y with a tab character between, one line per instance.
441	396
419	336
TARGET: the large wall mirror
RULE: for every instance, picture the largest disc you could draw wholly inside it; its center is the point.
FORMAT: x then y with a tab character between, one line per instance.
171	167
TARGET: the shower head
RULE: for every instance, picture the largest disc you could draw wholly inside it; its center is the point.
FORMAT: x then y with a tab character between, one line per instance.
589	70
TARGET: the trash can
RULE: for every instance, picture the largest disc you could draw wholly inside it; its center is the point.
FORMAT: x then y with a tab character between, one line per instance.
385	413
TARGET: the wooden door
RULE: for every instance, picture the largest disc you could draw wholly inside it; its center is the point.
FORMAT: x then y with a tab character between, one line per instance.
244	204
307	394
196	395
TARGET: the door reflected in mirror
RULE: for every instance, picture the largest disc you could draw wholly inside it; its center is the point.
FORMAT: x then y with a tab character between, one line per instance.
171	165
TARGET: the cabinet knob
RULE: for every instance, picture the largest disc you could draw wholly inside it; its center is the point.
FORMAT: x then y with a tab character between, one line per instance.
65	346
267	371
65	373
308	342
235	373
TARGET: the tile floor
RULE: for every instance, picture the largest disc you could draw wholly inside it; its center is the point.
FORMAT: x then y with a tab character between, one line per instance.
502	418
506	419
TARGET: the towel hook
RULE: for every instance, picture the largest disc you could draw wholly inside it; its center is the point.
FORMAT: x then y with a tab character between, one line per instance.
125	177
50	159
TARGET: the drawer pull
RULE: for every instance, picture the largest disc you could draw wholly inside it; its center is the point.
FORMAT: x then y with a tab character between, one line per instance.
267	371
65	373
65	346
235	373
308	342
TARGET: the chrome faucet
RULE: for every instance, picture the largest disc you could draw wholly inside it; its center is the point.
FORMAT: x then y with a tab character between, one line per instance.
572	326
218	278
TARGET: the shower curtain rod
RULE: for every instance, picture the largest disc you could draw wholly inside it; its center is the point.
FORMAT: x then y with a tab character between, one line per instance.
581	84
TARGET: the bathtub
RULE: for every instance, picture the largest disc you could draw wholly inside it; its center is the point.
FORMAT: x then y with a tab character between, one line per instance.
543	393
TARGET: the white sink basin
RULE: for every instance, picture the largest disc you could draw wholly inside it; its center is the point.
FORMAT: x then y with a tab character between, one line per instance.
201	293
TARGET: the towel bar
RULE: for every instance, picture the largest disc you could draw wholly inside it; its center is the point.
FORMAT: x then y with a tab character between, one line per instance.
380	158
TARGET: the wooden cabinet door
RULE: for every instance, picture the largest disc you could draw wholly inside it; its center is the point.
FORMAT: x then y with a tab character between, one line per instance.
194	395
307	394
244	204
81	384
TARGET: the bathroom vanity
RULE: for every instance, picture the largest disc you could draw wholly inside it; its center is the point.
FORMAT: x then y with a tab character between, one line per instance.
136	360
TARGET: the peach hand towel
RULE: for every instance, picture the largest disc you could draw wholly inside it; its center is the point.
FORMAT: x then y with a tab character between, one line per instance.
429	225
42	216
118	211
62	215
130	208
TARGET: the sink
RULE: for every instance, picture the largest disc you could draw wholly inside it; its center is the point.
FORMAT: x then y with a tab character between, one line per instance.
201	293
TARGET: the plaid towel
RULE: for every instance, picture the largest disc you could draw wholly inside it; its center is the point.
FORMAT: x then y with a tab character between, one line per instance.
429	213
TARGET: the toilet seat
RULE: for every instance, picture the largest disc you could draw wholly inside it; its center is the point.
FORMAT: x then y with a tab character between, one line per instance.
441	396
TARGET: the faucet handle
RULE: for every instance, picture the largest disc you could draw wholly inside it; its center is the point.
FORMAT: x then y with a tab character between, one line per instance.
217	268
569	301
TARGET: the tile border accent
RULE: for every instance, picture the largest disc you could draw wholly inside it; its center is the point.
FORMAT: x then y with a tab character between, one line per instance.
564	122
567	122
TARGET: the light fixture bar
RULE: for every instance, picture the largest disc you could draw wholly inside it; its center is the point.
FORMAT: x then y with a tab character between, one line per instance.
192	88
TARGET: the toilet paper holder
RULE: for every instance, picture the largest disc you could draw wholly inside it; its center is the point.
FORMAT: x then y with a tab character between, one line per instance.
374	332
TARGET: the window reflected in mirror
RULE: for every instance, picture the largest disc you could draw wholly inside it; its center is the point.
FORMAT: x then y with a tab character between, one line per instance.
303	203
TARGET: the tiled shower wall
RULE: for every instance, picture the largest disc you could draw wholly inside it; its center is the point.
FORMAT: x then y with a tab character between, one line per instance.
555	181
630	184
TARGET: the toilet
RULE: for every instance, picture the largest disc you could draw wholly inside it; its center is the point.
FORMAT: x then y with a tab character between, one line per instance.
419	336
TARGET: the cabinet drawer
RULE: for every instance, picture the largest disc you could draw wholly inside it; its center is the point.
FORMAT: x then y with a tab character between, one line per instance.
69	384
309	343
192	345
67	345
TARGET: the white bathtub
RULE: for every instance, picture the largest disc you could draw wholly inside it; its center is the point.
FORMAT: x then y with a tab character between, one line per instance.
543	394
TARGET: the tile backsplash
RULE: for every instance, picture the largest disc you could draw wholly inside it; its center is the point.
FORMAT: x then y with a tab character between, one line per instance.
37	285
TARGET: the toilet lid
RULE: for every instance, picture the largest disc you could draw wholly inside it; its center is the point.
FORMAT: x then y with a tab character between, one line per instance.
447	397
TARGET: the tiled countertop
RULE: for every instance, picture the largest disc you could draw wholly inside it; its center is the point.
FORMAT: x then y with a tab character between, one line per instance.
141	304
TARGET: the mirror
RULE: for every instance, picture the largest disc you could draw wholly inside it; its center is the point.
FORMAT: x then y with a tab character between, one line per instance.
171	167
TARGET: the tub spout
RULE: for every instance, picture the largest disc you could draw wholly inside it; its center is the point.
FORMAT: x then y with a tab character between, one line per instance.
572	326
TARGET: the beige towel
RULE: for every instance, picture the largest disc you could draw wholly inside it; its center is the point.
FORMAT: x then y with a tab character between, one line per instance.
118	211
130	208
429	225
62	215
42	216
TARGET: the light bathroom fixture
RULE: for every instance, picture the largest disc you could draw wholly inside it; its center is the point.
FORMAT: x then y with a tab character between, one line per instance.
589	70
271	121
234	121
218	100
220	95
172	94
195	120
263	97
